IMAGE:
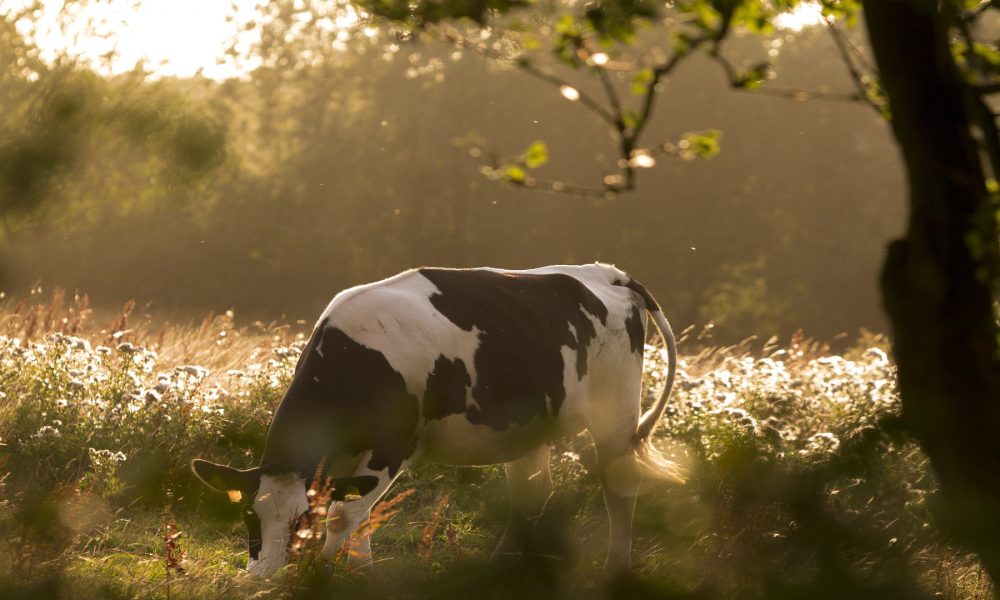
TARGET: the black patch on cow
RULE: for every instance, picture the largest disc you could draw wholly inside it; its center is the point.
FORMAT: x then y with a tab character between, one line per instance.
640	289
524	321
353	486
636	330
254	536
447	388
344	399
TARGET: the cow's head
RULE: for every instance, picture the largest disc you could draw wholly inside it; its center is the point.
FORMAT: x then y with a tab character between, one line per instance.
272	499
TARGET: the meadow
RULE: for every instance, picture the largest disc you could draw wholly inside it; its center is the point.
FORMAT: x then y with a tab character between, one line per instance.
800	484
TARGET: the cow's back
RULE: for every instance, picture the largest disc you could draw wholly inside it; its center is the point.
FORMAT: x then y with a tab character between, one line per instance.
465	366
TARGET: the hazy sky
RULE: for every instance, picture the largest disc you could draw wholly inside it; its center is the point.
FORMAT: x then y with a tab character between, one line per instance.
179	37
174	37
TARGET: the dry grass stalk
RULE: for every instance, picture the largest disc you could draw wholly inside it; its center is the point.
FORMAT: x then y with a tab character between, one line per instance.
427	536
173	554
380	515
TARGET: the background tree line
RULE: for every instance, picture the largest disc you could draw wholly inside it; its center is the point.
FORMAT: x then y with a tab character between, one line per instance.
336	163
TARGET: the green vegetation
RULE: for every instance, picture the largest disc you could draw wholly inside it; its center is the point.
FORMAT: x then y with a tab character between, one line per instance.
325	166
798	486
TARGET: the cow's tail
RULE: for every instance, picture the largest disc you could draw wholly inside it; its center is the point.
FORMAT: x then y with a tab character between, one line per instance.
649	455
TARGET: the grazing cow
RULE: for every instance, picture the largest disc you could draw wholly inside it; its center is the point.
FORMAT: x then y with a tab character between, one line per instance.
462	367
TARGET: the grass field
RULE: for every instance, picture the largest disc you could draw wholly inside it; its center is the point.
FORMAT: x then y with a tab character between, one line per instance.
800	485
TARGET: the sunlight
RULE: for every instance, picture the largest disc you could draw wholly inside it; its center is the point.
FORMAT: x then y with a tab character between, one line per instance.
172	37
805	14
569	92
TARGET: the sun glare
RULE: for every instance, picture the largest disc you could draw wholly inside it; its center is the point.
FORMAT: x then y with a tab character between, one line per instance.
172	37
805	14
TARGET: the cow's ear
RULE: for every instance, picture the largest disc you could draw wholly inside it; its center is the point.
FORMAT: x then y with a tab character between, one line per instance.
226	479
352	486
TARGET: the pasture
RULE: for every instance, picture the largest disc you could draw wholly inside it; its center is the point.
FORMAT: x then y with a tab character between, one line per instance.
800	484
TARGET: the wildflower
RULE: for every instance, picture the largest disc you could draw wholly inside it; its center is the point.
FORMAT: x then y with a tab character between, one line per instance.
823	442
876	355
688	384
128	348
738	417
164	382
73	343
47	431
193	371
725	398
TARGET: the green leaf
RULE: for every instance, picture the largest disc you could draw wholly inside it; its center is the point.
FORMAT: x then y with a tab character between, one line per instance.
755	16
753	77
536	155
706	17
514	173
641	81
617	20
842	10
701	144
681	43
566	25
567	40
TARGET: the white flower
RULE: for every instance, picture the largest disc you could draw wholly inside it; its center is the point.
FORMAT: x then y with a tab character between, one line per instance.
47	431
193	371
876	355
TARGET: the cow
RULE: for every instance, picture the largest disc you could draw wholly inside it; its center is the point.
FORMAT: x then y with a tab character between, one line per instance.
461	367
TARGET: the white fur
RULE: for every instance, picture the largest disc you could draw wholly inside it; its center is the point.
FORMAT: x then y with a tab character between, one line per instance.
396	318
280	500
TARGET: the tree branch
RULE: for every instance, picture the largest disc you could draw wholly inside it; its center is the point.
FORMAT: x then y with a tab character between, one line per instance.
981	115
795	94
978	11
844	48
526	66
561	187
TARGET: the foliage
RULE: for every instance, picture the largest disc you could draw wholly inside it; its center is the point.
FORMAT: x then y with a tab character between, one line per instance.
740	300
795	475
332	162
67	117
116	420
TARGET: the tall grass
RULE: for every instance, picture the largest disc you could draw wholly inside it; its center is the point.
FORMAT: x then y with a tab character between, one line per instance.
800	483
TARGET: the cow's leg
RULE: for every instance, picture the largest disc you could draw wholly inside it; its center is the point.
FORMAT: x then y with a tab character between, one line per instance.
620	476
530	487
344	517
612	418
359	546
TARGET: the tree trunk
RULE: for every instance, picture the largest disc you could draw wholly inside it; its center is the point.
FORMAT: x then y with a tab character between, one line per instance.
935	289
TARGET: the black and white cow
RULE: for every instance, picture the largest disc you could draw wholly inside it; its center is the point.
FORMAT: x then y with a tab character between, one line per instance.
463	367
